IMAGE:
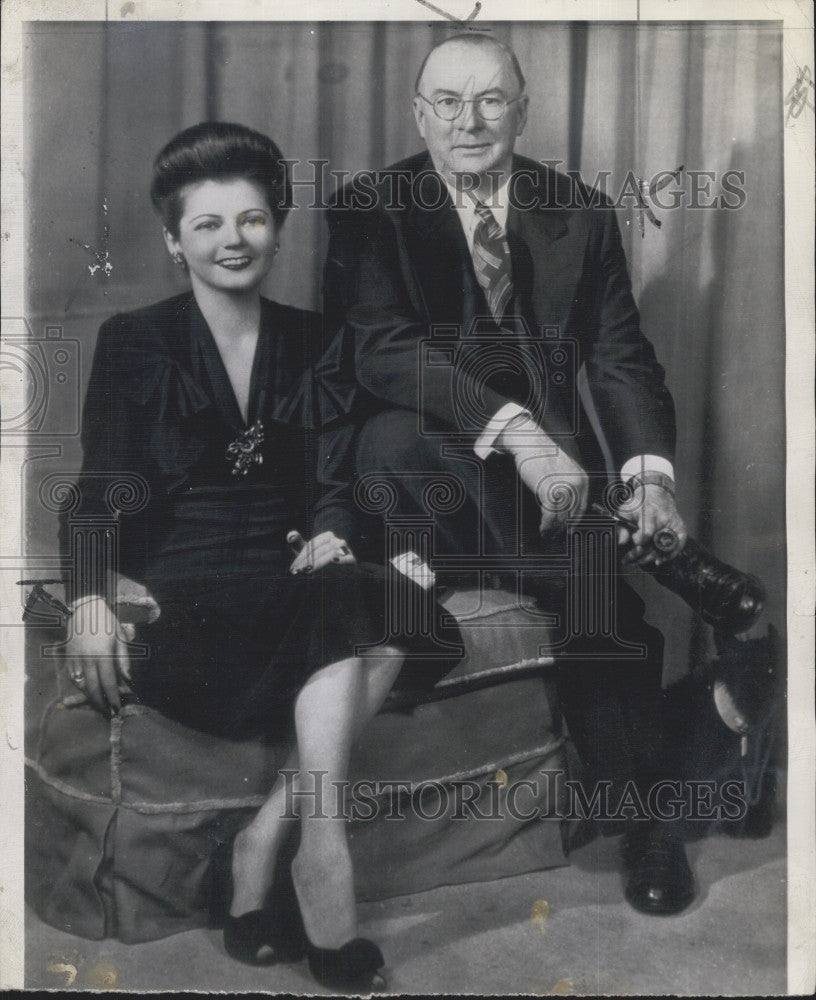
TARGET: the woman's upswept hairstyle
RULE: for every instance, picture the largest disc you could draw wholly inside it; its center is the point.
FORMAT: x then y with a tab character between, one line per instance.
217	151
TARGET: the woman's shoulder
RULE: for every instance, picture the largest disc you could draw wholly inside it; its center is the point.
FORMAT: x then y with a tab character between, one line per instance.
290	319
299	330
146	352
164	320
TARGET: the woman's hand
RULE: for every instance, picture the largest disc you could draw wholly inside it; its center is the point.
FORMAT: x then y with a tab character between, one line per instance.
96	654
319	551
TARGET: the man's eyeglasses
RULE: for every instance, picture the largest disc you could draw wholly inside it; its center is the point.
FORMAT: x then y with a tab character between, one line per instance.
449	108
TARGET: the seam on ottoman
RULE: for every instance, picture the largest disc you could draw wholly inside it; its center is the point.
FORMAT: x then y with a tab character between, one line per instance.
63	786
518	758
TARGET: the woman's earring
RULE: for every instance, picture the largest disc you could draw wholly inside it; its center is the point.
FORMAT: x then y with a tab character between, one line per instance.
178	258
277	247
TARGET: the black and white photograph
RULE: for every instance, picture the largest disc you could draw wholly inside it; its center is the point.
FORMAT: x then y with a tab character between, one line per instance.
407	543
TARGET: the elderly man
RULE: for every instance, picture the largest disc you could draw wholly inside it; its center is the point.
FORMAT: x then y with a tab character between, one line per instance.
468	294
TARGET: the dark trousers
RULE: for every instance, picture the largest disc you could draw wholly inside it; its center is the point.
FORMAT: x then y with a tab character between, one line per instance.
479	513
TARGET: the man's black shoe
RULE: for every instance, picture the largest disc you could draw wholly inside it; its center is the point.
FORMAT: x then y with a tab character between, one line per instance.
659	880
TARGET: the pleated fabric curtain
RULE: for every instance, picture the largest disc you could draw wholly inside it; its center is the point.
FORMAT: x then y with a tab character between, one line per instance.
709	281
625	99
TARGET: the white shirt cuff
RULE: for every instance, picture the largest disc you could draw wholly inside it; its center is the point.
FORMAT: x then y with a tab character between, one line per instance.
415	569
646	463
485	443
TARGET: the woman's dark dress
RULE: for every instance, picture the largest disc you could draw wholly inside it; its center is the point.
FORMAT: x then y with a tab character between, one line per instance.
238	634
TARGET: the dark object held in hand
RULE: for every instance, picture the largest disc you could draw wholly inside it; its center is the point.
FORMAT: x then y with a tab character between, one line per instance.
725	598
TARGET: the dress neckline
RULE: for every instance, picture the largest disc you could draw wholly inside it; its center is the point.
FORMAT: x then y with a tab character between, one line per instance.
223	392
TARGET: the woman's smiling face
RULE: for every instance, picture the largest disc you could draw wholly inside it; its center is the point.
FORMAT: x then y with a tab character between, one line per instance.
227	234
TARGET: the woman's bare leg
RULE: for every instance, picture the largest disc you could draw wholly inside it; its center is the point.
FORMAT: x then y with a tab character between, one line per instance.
350	694
330	713
256	848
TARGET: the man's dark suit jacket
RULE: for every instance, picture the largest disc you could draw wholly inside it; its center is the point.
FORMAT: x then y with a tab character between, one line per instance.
395	269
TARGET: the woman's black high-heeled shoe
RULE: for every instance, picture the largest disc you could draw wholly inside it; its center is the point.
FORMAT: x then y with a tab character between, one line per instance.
274	933
355	966
260	937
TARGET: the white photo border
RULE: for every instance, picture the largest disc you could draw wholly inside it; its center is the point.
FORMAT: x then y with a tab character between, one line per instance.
797	26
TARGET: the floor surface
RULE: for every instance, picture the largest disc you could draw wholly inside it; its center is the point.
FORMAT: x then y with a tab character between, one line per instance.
563	931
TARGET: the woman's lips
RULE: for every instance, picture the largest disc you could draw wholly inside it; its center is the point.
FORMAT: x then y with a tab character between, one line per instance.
235	263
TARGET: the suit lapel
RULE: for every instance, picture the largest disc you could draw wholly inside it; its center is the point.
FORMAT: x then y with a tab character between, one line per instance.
547	250
547	244
437	247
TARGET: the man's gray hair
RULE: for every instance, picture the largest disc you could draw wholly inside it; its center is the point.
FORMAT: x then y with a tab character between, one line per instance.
477	40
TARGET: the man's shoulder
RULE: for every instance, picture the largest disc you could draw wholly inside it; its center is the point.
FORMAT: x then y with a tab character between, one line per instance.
387	189
541	184
414	164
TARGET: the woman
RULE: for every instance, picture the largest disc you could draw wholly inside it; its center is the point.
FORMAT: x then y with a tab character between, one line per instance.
196	394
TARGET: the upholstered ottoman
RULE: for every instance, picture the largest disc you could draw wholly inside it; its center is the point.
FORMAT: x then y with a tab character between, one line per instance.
124	816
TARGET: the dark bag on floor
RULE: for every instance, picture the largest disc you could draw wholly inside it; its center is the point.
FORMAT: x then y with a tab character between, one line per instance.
741	771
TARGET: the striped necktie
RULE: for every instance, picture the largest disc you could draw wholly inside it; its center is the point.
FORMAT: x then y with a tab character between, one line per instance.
491	261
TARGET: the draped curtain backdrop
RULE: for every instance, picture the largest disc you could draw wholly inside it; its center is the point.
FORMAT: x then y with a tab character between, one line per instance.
640	98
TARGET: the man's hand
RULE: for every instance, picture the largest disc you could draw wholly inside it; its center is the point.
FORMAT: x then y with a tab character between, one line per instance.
96	658
654	509
558	483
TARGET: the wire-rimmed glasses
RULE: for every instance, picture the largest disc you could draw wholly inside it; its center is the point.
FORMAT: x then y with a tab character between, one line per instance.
489	107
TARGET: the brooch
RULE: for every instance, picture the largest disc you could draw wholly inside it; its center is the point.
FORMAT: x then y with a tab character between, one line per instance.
245	450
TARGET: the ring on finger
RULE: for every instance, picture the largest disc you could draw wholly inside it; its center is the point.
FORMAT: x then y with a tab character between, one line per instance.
345	550
78	678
